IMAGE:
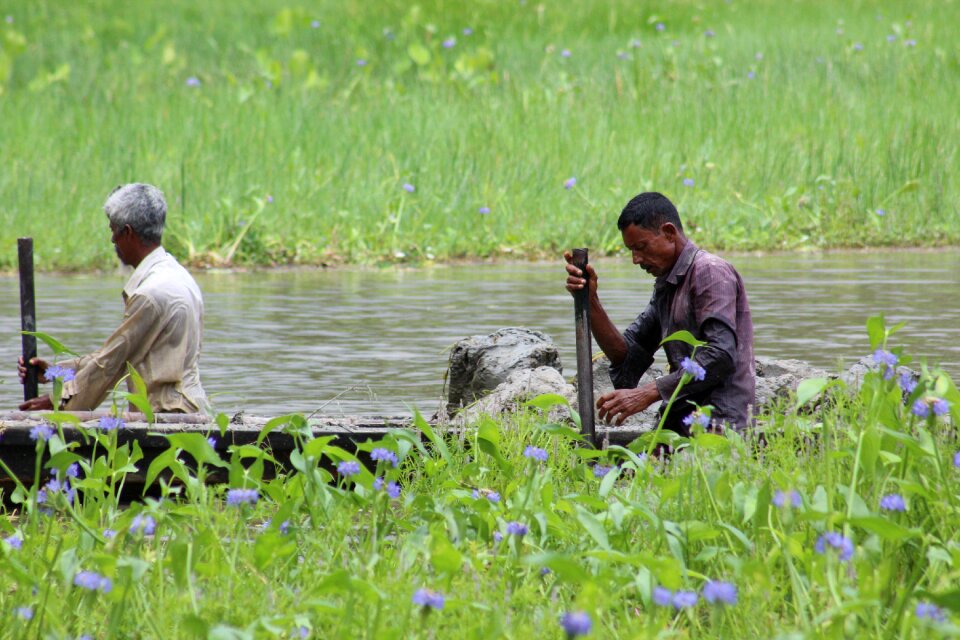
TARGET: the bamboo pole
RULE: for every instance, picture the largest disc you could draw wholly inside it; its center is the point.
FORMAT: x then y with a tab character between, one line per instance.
28	315
581	304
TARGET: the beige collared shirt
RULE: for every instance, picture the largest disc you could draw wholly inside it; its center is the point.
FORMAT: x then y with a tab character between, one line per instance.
160	336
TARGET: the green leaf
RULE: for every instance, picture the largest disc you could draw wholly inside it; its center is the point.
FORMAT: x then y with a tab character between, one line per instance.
420	423
884	528
876	331
563	431
593	527
809	389
548	400
443	555
563	566
488	439
197	446
684	336
275	423
55	345
161	462
418	53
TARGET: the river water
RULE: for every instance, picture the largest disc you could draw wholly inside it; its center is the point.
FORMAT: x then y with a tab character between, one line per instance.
352	341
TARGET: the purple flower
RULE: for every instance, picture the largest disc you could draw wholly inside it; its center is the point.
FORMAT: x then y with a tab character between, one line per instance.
9	19
887	361
385	455
940	407
109	534
697	417
393	490
143	523
662	597
348	468
269	199
55	486
693	369
492	496
716	592
409	188
780	499
907	383
956	459
684	599
237	497
840	543
891	38
545	571
565	53
688	182
569	183
576	623
315	24
709	33
14	540
661	27
881	212
751	75
623	55
893	502
41	432
93	581
110	423
599	471
484	210
212	442
930	612
449	43
857	46
361	62
428	599
497	537
378	483
63	374
193	81
535	453
920	408
468	31
517	529
24	613
73	470
635	43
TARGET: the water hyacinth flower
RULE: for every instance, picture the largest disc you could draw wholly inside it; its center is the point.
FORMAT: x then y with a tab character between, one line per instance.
928	611
193	81
409	188
941	407
693	369
881	212
73	471
545	571
212	442
24	613
14	541
348	468
55	486
111	423
717	592
907	383
384	455
59	373
497	537
661	27
685	599
857	46
840	543
238	497
688	182
143	523
780	499
483	210
315	24
920	408
887	361
361	62
41	432
467	31
517	529
393	490
662	597
535	453
109	534
569	183
449	43
697	417
751	75
956	459
600	471
93	581
428	599
576	623
566	53
492	496
893	502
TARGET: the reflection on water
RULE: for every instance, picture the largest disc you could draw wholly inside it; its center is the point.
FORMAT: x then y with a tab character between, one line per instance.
369	341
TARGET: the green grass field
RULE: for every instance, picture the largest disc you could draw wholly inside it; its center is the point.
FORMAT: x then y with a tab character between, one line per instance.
284	132
842	526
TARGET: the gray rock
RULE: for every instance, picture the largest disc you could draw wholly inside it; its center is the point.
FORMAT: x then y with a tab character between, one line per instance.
602	383
778	379
479	364
520	386
853	377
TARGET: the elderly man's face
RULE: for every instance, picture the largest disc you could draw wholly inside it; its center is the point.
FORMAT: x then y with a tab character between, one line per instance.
653	251
121	238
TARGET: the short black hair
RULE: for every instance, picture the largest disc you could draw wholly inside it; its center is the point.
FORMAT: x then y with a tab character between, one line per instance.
649	210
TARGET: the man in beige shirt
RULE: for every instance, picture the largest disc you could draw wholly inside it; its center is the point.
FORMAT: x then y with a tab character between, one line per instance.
162	327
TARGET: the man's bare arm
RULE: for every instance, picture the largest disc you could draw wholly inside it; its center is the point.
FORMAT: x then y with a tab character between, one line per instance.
608	338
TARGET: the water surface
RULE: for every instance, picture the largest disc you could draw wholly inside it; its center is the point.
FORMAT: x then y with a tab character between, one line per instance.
376	341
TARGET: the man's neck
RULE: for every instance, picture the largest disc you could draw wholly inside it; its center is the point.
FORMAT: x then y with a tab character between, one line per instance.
142	252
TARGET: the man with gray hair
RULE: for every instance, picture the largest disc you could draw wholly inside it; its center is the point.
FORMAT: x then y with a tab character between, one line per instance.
162	326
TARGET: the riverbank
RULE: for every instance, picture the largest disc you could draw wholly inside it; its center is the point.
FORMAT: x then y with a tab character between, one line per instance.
389	134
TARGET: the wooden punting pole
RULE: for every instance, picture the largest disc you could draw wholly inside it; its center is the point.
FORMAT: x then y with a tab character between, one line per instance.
581	304
28	315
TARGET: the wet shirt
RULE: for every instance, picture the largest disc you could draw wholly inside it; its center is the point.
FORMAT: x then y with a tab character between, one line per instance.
702	294
160	336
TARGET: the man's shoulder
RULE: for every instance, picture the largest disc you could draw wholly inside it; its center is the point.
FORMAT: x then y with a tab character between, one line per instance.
710	261
168	278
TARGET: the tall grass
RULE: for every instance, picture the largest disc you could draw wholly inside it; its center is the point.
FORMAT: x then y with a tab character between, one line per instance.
795	122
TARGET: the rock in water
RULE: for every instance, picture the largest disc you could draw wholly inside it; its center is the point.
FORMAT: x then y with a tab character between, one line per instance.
520	386
479	364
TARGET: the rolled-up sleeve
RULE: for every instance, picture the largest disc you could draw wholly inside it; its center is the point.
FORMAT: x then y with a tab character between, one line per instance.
642	338
100	371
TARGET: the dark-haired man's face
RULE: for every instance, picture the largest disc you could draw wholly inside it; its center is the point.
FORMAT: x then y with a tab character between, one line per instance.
653	251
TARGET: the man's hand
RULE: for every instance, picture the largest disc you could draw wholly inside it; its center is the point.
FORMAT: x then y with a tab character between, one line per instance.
617	406
43	403
575	279
37	362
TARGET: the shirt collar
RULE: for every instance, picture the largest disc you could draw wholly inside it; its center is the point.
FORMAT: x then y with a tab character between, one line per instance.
140	273
681	266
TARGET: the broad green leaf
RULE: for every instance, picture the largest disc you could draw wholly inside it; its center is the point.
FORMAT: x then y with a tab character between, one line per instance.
197	446
418	53
161	462
884	528
420	423
876	331
548	401
593	527
275	423
563	431
683	336
488	439
808	390
564	566
58	348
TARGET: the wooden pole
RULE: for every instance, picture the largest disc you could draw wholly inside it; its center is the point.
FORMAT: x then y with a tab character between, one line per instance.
28	315
581	305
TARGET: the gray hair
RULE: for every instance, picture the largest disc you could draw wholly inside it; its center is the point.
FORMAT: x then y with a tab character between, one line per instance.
141	206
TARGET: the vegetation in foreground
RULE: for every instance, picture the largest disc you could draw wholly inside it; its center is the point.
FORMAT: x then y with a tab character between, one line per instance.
288	132
842	525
